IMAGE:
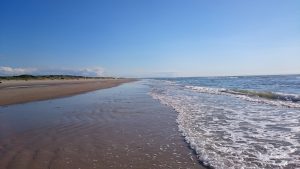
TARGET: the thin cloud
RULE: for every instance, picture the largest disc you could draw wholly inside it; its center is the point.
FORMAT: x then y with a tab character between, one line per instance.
88	71
95	71
10	71
158	74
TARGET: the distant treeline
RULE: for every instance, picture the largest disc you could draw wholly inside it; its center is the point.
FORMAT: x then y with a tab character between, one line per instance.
50	77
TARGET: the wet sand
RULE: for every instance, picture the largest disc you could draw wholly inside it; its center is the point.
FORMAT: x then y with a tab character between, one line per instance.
121	127
20	91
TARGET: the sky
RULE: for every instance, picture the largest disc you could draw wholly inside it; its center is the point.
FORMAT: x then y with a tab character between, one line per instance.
150	38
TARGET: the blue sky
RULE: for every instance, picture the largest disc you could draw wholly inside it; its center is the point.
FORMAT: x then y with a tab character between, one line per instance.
150	38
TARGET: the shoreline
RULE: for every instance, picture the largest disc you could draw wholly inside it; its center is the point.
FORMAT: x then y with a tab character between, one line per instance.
21	91
121	127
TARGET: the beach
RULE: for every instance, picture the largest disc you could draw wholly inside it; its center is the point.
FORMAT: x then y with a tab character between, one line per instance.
21	91
119	127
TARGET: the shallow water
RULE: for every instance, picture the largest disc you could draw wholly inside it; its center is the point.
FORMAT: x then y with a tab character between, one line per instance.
121	127
233	130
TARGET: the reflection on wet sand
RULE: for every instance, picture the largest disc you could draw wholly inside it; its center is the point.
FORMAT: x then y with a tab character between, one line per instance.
121	127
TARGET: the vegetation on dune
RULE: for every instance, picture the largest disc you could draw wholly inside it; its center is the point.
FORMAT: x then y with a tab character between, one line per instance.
49	77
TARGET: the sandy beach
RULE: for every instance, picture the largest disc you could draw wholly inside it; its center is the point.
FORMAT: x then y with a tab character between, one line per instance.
21	91
119	127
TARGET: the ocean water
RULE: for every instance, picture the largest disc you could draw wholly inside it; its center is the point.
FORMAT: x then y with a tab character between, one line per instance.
237	122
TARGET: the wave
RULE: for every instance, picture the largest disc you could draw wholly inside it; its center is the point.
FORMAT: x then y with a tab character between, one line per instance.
283	99
232	77
267	95
227	132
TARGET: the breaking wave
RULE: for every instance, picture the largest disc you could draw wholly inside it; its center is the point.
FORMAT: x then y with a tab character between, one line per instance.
232	129
280	99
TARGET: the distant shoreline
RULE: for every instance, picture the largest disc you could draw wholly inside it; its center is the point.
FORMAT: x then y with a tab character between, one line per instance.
22	91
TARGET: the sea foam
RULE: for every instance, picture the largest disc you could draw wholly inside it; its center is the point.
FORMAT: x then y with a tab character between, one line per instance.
234	131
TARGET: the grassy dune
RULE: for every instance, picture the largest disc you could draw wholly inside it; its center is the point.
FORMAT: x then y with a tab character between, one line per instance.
50	77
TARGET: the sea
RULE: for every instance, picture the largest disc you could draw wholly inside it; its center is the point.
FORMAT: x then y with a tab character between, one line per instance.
237	122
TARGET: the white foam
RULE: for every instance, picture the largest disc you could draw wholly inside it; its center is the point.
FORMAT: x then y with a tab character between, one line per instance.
231	132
